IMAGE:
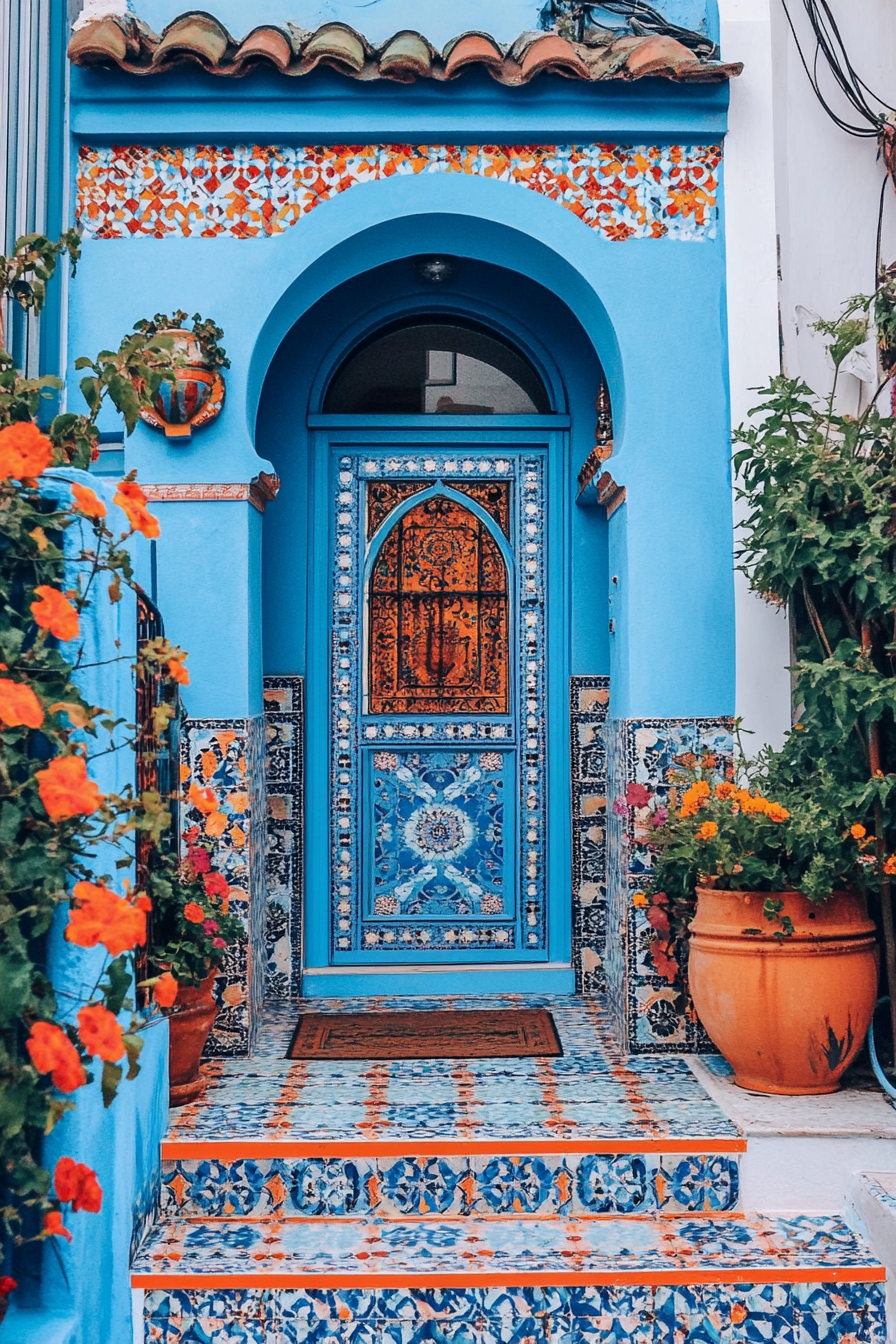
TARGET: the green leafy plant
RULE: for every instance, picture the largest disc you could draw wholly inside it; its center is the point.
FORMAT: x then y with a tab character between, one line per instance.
204	331
819	537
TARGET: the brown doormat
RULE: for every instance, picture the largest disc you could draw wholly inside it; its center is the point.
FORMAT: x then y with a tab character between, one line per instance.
440	1033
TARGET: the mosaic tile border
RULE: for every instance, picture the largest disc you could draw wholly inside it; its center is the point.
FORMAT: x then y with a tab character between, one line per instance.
249	191
227	756
352	734
589	702
716	1313
644	1007
284	721
551	1185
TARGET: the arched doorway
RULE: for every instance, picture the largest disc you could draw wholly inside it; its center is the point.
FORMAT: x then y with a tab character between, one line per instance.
431	527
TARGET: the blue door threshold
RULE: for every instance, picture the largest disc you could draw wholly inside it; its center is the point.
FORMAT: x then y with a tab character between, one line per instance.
522	978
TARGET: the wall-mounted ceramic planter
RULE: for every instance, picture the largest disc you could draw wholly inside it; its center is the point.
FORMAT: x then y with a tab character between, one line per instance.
194	398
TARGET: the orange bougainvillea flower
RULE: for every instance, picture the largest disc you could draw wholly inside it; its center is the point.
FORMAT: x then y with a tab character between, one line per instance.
133	501
52	1052
19	706
86	501
708	831
216	885
101	1032
165	990
177	672
52	611
102	917
53	1225
24	451
75	1183
194	913
65	789
203	800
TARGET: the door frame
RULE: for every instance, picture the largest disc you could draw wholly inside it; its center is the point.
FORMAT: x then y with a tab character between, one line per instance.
550	970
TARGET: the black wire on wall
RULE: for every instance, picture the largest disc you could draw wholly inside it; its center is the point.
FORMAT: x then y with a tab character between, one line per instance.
831	50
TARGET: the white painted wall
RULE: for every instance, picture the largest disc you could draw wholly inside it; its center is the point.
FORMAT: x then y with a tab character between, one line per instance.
802	194
763	684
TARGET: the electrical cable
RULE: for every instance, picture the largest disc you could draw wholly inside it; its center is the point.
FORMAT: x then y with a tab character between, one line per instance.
831	47
641	19
875	1062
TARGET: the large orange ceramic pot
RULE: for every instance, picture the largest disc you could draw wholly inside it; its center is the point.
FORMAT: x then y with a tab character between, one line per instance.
189	1024
789	1014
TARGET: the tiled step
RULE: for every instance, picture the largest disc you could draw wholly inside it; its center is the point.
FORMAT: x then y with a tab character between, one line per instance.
394	1185
648	1280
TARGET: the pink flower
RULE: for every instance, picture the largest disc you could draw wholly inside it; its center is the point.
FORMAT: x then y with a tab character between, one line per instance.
620	807
210	926
661	816
636	795
218	942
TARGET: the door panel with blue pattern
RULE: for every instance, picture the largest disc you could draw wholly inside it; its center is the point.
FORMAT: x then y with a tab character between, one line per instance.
438	742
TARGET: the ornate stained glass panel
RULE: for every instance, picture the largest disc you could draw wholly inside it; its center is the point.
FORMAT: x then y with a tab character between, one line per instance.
438	613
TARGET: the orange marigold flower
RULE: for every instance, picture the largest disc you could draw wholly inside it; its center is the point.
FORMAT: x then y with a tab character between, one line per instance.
52	611
775	812
65	789
203	800
101	1032
708	831
100	916
53	1225
752	803
890	865
133	501
857	831
24	451
725	790
87	501
19	706
52	1052
165	990
177	672
693	798
76	1183
194	913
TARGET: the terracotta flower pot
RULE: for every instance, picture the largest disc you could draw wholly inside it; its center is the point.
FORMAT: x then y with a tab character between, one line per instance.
189	1024
789	1014
194	398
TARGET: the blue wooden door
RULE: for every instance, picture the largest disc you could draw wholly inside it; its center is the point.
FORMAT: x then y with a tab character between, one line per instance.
439	837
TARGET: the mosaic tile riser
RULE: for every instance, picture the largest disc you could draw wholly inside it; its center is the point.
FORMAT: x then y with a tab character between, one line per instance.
227	756
709	1314
256	191
645	1007
547	1184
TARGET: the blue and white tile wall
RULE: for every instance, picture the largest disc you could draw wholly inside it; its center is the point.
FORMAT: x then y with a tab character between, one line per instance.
648	1014
589	700
227	756
284	733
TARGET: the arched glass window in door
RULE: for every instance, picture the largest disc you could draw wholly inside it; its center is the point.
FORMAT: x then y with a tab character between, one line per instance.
433	367
438	614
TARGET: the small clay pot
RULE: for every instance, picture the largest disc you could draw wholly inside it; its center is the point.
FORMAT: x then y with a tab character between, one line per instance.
788	1013
189	1024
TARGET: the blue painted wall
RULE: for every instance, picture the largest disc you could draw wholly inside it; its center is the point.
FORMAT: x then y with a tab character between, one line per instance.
653	310
379	19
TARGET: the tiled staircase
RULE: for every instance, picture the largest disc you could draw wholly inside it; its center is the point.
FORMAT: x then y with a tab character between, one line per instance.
581	1200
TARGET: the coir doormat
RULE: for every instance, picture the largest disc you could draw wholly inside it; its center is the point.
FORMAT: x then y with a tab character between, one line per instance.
440	1033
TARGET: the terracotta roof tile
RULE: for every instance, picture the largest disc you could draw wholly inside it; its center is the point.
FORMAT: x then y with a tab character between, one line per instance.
200	38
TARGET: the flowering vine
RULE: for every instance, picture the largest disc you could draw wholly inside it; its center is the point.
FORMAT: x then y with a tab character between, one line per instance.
63	840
